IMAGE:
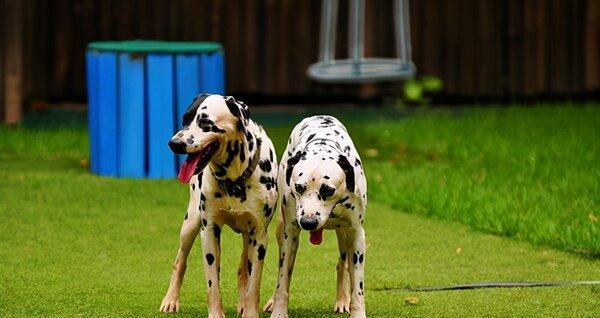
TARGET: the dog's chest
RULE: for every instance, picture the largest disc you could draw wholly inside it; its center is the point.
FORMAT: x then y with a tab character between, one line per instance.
240	212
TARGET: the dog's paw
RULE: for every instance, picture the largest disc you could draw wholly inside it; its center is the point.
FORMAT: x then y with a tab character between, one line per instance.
269	305
279	314
249	313
358	313
216	315
342	305
169	304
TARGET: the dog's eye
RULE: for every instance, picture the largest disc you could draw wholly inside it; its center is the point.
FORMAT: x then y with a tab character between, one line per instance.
300	188
326	191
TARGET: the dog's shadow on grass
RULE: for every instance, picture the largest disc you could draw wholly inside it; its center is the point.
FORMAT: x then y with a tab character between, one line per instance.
230	312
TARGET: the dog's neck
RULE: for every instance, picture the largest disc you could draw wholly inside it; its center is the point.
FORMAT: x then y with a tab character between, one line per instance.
237	157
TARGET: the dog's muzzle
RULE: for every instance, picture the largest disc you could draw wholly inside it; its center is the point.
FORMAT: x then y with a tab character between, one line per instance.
177	146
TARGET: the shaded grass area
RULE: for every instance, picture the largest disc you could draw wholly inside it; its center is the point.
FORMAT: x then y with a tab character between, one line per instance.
74	244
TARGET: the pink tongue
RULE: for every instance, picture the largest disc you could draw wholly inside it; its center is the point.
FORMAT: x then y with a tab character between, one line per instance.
187	169
316	237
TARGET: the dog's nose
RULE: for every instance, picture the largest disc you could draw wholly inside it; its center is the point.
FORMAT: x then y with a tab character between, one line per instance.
177	146
308	223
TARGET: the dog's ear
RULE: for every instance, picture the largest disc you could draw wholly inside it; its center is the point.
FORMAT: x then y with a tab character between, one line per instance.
238	108
190	113
291	163
200	98
348	171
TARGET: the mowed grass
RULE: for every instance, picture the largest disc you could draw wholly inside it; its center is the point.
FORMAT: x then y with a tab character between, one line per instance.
77	245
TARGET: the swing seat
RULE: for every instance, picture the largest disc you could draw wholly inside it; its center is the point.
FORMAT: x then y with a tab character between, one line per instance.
366	70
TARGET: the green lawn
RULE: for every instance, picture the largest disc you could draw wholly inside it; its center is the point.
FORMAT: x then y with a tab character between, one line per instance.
73	244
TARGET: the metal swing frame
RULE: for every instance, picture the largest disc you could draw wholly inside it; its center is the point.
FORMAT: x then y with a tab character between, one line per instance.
357	68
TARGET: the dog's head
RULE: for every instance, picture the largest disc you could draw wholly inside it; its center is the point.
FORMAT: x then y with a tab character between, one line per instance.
318	184
208	123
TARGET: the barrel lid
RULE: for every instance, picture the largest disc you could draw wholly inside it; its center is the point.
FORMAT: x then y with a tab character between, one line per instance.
155	46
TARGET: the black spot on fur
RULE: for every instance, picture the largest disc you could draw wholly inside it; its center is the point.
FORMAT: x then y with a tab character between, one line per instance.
343	256
269	182
265	165
361	286
218	195
283	200
232	151
249	267
358	258
290	165
193	186
186	216
261	252
242	155
235	188
267	210
348	171
327	122
210	259
209	283
271	155
217	231
190	139
310	137
326	191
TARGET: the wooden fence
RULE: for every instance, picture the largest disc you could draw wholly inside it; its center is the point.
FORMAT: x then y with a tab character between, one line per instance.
479	48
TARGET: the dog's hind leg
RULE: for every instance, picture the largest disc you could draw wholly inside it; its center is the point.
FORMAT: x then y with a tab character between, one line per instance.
189	231
243	273
342	301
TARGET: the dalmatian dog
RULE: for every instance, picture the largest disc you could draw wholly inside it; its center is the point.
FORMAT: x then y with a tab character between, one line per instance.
323	186
231	169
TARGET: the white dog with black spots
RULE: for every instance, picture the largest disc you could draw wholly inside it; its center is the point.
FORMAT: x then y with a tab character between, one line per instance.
231	169
323	186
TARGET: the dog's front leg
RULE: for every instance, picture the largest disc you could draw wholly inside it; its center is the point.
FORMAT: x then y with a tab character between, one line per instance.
342	301
187	236
356	251
256	258
287	257
211	249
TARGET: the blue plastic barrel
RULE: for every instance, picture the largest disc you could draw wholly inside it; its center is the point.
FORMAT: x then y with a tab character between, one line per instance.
137	93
